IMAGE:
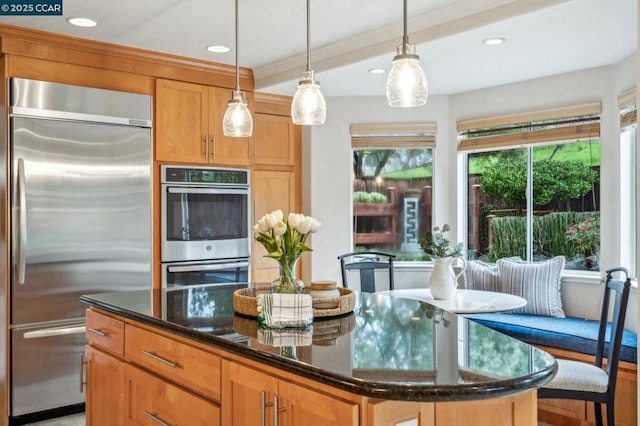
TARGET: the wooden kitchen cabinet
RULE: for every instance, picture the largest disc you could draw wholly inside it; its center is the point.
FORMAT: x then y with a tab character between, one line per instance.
192	368
271	190
104	370
188	126
245	390
155	401
516	410
105	388
252	397
135	376
274	140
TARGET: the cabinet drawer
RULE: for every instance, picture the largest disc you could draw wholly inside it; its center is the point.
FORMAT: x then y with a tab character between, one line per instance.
153	401
105	332
192	368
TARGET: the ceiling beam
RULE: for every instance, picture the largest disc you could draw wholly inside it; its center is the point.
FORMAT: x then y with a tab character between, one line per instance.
443	22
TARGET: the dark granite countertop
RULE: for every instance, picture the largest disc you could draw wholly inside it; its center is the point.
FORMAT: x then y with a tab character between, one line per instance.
389	348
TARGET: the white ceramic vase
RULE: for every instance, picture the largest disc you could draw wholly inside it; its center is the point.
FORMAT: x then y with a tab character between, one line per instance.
444	282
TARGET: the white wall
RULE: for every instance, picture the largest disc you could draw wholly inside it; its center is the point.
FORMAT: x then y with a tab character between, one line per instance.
328	174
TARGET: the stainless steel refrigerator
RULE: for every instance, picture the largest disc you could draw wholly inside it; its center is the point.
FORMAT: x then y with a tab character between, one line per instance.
80	161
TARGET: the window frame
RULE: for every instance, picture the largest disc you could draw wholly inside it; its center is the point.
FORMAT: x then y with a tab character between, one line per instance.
393	136
583	119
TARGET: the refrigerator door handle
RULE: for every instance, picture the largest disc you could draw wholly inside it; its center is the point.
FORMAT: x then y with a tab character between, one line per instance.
58	331
22	230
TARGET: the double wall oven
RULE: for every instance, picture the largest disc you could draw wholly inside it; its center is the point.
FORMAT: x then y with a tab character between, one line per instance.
206	231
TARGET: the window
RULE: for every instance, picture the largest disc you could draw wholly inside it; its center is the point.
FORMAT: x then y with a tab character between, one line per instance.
628	180
392	187
533	186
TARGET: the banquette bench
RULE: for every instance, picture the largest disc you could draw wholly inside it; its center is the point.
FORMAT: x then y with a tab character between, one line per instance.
575	339
545	325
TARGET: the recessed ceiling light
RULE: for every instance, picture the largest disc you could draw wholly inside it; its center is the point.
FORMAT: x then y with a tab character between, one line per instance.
494	41
377	70
218	49
82	22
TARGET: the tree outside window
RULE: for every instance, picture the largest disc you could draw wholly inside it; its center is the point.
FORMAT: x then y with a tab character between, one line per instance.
565	198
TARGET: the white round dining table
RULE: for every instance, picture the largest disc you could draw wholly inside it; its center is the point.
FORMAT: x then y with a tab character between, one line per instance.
465	301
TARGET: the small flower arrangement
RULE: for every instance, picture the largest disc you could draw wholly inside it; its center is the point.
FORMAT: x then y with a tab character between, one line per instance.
585	235
436	245
284	241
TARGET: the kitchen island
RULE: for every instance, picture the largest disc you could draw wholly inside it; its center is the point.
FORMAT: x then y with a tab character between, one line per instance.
182	356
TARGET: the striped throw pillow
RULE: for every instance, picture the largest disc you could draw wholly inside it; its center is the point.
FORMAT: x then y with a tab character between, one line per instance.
479	275
537	282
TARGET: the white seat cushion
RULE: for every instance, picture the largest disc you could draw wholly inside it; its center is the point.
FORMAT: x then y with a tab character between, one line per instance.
575	375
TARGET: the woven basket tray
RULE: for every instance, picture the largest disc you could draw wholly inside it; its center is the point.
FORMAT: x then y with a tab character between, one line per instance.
245	302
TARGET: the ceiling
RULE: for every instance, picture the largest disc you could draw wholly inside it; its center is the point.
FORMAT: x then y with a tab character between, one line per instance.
348	37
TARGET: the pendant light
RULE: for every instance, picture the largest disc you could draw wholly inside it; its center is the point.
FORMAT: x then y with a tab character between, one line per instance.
406	82
308	106
237	121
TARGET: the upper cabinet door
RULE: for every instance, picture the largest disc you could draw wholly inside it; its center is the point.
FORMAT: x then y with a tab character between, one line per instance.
181	122
274	140
226	150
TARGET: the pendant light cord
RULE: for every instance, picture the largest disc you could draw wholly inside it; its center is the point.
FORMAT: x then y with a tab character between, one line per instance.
237	53
308	37
405	36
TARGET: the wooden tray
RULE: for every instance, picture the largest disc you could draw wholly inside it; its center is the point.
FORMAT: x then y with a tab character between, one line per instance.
245	302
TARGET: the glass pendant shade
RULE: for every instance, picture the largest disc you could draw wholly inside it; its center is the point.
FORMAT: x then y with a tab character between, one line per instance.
406	83
308	106
237	121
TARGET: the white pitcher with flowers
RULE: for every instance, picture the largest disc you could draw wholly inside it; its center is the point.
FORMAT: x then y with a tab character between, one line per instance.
443	282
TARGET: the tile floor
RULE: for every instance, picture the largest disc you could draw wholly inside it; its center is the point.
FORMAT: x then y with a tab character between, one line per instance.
72	420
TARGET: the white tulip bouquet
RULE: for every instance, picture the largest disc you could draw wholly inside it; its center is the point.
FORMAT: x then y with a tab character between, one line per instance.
284	241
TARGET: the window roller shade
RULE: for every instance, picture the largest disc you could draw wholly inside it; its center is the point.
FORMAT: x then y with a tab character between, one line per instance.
555	125
394	135
628	108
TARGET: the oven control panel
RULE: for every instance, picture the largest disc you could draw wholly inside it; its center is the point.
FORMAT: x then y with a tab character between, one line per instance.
204	175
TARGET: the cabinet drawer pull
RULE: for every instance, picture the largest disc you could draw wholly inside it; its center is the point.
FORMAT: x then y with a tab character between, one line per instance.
161	359
275	411
206	148
98	332
82	364
154	416
263	407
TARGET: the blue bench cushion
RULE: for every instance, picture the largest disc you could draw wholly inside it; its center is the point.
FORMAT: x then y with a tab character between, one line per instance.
570	333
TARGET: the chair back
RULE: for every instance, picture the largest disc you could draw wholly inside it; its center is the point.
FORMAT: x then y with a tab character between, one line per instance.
367	263
619	290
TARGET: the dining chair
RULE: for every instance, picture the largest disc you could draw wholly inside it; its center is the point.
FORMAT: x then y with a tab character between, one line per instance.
367	263
590	382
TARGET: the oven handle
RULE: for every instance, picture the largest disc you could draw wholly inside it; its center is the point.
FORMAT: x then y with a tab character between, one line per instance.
211	267
191	190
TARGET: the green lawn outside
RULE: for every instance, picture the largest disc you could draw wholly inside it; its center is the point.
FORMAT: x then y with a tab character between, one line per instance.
584	152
